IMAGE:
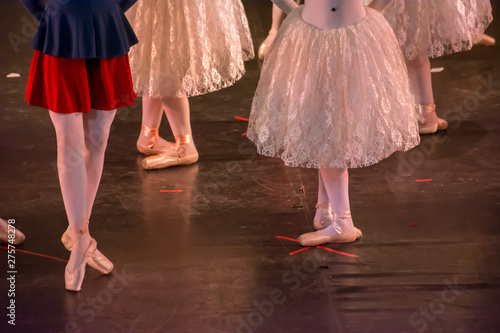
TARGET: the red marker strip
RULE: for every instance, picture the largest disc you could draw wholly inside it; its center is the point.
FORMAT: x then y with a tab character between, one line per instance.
346	254
35	254
423	180
240	118
414	225
244	133
171	191
287	238
319	247
298	251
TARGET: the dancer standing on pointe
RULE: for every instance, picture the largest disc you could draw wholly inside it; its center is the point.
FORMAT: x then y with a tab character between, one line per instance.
187	48
80	73
430	29
333	94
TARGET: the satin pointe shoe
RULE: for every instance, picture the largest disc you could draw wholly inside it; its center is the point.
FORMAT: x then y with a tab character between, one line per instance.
266	44
97	260
325	216
174	157
150	142
74	279
4	233
321	237
487	41
429	122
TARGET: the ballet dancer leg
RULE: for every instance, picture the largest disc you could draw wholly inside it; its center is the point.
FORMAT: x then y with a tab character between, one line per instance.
150	142
184	151
73	182
96	124
323	217
342	229
419	72
487	40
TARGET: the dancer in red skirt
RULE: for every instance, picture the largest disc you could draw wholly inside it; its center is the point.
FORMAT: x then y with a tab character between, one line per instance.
80	73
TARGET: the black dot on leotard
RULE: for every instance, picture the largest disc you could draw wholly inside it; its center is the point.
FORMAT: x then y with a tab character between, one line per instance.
334	9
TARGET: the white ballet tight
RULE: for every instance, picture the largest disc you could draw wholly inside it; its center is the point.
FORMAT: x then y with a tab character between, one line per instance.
81	143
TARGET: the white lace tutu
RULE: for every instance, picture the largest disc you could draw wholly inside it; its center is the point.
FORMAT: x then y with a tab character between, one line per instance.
438	27
334	98
188	47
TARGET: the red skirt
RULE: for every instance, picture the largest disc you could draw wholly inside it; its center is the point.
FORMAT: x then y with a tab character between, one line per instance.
78	85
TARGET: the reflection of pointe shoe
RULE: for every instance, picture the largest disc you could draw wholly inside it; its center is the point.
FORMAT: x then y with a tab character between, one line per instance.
6	229
487	41
150	143
97	260
266	44
74	279
322	237
428	122
325	217
174	157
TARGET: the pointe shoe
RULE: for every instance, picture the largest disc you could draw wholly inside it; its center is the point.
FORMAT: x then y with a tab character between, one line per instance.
5	231
155	145
487	41
97	260
326	216
266	44
429	122
73	280
319	237
165	160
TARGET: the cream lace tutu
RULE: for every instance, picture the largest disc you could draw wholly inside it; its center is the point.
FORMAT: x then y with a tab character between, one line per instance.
333	98
188	47
438	27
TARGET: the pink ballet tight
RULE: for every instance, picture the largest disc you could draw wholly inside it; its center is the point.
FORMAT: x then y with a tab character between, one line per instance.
176	109
334	188
81	143
419	71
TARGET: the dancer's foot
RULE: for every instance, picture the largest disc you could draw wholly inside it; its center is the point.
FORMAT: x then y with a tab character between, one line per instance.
183	153
323	217
342	230
487	41
97	260
429	122
150	142
266	44
82	249
4	233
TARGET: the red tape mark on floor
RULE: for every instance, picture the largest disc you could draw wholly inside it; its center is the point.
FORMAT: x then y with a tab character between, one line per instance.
298	251
423	180
240	118
35	254
331	250
319	247
414	225
171	191
244	133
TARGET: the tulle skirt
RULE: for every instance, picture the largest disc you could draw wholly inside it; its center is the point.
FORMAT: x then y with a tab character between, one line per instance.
438	27
188	47
333	98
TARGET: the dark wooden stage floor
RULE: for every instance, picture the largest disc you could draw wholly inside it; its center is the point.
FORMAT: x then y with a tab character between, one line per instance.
207	259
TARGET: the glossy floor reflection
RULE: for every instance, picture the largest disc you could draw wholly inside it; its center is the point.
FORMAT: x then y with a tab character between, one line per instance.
207	259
